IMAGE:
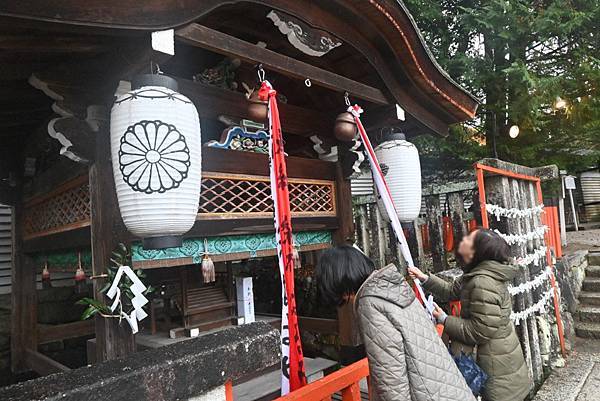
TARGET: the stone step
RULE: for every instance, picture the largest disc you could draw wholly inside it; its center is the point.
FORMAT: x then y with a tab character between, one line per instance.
587	330
592	271
591	284
594	258
589	298
589	313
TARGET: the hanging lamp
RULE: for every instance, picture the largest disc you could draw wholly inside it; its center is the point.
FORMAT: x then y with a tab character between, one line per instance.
399	161
156	156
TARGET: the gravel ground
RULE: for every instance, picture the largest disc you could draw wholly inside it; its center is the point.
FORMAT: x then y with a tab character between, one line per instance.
586	239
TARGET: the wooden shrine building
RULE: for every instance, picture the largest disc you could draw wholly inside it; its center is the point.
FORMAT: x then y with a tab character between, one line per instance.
61	66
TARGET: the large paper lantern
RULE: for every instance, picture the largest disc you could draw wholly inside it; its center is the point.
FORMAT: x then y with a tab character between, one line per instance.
399	161
155	146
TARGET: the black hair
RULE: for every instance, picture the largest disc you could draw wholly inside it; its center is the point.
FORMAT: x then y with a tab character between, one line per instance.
340	273
488	245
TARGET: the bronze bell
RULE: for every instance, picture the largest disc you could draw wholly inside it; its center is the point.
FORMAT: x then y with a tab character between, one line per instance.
345	127
257	109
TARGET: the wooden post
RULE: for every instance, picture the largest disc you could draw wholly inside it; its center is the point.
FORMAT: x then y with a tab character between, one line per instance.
456	211
113	340
436	236
23	331
345	231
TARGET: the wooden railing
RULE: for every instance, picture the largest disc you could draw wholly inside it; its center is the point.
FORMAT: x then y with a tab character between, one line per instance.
223	196
345	381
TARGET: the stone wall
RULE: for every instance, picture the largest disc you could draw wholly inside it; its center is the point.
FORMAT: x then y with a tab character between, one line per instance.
195	369
570	273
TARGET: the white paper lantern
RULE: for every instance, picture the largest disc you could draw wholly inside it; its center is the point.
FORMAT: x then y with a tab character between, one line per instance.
155	147
399	161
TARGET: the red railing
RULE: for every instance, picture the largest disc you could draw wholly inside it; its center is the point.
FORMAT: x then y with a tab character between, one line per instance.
344	381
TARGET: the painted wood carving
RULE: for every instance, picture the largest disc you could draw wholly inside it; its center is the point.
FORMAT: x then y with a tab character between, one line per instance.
311	41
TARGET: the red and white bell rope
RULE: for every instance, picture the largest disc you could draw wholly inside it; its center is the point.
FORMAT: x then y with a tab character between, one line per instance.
293	374
386	198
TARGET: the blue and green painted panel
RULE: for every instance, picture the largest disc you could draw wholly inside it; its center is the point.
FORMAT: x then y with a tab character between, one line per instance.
195	247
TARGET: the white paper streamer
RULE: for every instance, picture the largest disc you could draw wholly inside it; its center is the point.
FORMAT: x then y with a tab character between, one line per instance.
531	284
540	306
499	211
533	257
138	301
512	239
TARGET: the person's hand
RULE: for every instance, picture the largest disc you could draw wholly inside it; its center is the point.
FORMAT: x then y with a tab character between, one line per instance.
439	314
415	273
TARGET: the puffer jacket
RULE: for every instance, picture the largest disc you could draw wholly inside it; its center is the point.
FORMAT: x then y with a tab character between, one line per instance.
485	322
407	359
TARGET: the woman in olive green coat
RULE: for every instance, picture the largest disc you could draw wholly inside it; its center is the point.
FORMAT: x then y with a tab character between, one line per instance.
484	320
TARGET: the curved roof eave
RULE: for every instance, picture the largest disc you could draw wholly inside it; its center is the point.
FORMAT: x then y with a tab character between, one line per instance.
405	41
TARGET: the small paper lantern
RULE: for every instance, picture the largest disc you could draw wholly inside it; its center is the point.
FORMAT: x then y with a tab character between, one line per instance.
155	146
399	161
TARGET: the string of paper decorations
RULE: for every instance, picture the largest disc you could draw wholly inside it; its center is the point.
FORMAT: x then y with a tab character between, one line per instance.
539	306
513	239
499	211
533	257
531	284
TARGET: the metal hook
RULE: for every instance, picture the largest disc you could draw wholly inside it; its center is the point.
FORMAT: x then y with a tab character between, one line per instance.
261	73
307	82
347	98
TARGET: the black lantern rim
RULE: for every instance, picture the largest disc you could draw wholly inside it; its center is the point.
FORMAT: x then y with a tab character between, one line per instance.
142	80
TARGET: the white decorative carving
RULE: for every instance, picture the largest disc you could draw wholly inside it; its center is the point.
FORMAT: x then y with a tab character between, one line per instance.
309	41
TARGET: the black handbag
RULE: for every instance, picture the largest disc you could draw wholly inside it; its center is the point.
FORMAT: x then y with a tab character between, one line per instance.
473	374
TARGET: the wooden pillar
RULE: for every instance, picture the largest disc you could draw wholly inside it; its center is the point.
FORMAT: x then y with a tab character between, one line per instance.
112	340
23	330
456	208
436	236
345	232
351	349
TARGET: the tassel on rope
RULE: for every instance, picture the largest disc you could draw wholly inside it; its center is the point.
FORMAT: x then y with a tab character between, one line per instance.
208	267
79	276
79	273
46	280
296	258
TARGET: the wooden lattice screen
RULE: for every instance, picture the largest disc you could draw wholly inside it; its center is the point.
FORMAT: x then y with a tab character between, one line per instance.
65	208
222	196
234	195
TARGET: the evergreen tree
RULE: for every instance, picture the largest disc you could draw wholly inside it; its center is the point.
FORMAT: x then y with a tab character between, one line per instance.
523	59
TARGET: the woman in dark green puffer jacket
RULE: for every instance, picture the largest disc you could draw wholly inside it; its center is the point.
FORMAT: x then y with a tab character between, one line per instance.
485	314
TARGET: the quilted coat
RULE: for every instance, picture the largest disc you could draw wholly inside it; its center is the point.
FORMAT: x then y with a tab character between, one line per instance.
485	322
407	359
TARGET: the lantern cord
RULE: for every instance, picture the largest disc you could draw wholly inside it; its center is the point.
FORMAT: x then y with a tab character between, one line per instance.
261	73
347	99
386	198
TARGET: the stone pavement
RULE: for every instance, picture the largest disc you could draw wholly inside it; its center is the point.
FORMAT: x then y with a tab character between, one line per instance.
585	239
579	380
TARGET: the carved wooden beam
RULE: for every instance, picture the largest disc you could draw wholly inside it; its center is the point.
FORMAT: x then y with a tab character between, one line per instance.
206	38
212	102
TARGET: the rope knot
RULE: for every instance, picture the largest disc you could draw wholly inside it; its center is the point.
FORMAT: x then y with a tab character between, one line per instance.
355	110
265	91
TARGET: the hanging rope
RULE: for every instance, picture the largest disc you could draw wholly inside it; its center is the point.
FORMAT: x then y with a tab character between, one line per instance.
293	374
386	198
